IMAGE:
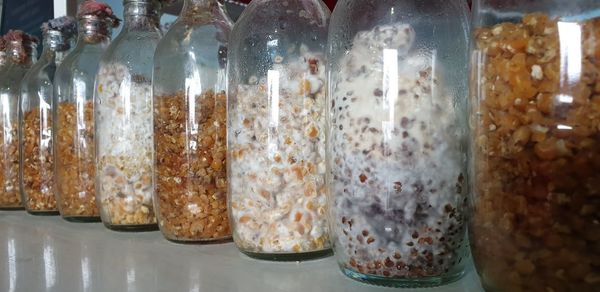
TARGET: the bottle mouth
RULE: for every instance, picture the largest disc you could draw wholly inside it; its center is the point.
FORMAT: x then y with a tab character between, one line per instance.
153	4
96	23
21	45
21	51
137	1
95	29
54	33
141	8
91	18
57	40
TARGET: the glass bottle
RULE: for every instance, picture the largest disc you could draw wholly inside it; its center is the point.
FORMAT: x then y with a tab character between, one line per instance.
397	140
21	49
74	116
190	104
123	115
37	91
535	118
276	130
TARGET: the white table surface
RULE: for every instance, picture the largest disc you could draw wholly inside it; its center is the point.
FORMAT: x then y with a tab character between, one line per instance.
50	254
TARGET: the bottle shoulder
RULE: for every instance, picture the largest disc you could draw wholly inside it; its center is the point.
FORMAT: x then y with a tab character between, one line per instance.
81	61
268	26
129	39
182	39
10	80
41	74
282	15
133	49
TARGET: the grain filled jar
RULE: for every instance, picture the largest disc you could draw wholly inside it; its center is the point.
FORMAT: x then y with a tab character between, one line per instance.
276	130
397	163
123	120
37	94
190	111
21	51
536	145
74	114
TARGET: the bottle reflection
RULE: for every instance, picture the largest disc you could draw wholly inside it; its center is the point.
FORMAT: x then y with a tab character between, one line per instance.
194	279
130	274
12	265
49	259
86	273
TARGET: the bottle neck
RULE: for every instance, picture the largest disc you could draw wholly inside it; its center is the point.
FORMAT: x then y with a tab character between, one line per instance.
52	56
141	15
56	46
202	11
94	31
188	4
57	41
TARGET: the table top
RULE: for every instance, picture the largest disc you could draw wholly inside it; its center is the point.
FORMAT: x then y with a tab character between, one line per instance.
51	254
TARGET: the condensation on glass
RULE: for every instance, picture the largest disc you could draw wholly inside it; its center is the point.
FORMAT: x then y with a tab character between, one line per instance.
397	140
190	134
36	103
21	51
73	113
123	121
276	130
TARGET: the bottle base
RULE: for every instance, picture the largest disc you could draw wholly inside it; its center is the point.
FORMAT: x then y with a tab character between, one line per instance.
489	288
200	241
132	228
403	283
12	208
289	257
82	219
43	213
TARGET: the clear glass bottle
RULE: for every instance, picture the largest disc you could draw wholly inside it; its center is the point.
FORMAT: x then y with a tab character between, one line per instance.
74	115
535	118
37	91
397	140
276	130
21	49
190	135
123	115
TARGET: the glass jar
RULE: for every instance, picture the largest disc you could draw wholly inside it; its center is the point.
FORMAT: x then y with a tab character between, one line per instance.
37	91
276	135
190	110
74	116
123	115
397	139
535	121
21	49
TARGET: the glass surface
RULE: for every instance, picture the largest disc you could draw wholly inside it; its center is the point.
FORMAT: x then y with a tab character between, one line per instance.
190	104
37	91
123	119
10	92
397	140
73	258
535	145
74	127
276	142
